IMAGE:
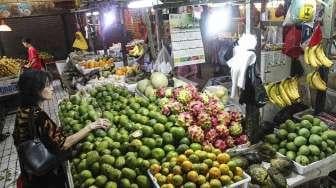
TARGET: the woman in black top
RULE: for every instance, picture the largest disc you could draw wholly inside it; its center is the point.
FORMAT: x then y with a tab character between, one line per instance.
34	87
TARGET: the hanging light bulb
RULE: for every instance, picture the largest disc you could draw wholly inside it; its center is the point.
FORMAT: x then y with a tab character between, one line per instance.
4	27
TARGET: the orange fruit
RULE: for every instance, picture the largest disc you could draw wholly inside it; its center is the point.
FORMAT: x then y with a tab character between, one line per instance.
239	172
170	178
223	158
187	166
155	168
192	176
181	159
214	173
224	168
225	179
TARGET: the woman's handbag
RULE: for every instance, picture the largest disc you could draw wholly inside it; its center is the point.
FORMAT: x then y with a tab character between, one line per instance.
36	158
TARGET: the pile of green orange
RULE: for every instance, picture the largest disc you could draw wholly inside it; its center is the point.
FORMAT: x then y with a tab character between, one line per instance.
197	168
138	137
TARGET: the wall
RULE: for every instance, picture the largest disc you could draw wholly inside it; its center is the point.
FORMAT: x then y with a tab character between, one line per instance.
47	32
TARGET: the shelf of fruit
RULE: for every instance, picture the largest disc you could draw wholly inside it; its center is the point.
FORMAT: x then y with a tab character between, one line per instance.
138	137
203	115
198	167
10	67
309	143
102	63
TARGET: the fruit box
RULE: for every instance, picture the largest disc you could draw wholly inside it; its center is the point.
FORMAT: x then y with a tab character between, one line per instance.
300	169
241	184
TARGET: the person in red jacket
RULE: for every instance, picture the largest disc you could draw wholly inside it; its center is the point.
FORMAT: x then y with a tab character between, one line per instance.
33	57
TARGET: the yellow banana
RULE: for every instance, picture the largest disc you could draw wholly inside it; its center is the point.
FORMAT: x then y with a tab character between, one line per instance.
312	57
322	57
317	81
141	51
267	88
283	94
294	84
306	55
290	90
309	80
274	93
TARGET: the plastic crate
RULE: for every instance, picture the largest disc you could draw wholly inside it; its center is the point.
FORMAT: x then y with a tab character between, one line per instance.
241	184
310	111
312	166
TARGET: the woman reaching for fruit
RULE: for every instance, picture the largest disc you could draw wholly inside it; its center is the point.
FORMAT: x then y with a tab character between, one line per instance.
35	87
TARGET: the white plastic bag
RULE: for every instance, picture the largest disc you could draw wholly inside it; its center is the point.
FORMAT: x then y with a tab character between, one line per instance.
163	62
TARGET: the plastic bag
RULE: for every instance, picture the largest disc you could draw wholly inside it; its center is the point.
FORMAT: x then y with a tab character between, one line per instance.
163	62
301	11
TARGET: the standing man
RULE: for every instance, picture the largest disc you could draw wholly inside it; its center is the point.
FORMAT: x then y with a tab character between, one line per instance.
33	57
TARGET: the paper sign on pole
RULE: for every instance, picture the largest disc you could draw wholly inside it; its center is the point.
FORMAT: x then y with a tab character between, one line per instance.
187	44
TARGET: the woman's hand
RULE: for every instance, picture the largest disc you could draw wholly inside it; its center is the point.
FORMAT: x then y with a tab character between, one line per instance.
99	124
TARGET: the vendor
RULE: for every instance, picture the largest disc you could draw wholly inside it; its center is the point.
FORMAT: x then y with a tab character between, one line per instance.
33	57
80	43
34	88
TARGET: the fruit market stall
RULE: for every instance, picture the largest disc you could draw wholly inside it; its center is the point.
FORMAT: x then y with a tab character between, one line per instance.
166	133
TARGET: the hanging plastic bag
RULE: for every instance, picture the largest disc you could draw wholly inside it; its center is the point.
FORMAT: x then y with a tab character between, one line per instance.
163	62
301	11
292	42
316	38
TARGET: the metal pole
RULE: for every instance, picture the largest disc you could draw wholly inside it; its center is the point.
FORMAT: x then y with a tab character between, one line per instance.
248	15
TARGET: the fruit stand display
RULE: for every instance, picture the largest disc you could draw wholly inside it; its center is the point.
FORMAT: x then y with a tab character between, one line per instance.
139	138
309	143
9	71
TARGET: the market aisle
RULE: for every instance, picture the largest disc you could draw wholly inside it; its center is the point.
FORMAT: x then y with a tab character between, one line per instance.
9	166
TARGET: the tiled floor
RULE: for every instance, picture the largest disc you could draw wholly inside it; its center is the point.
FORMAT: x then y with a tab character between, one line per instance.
9	165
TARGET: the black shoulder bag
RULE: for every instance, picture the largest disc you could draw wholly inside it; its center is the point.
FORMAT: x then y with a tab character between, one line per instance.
36	158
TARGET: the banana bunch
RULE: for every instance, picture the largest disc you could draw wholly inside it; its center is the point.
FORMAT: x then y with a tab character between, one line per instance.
284	93
315	81
9	66
316	57
137	51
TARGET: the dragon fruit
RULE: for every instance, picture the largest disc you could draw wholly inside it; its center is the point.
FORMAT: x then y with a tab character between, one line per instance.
222	130
175	107
204	120
230	141
211	135
220	144
236	129
184	119
196	133
193	91
163	102
214	121
160	92
214	107
196	107
184	96
205	98
242	139
166	110
169	92
224	117
235	116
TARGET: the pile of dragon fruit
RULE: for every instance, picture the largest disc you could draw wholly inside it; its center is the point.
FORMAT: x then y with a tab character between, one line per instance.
203	117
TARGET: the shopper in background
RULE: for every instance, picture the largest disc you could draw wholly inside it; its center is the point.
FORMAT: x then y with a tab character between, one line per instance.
80	43
35	87
34	61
